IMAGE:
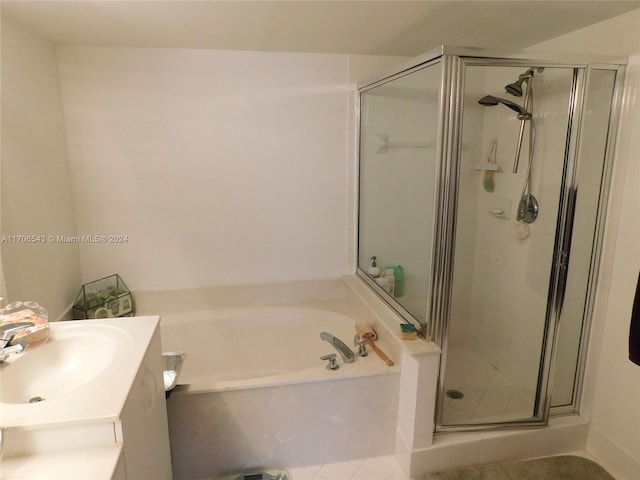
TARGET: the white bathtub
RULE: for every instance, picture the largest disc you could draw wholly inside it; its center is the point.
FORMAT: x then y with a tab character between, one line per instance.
265	346
253	392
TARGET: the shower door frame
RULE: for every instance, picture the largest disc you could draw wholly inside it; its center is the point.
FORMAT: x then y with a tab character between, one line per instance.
445	231
599	227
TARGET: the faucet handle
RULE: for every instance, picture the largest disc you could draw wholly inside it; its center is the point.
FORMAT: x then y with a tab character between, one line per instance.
361	344
332	365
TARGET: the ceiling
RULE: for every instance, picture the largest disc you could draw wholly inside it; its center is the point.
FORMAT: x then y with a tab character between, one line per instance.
396	27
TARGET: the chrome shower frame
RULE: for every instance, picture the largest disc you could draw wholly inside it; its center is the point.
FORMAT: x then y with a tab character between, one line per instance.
436	325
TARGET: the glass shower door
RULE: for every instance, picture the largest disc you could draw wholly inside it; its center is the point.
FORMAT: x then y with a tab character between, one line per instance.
505	243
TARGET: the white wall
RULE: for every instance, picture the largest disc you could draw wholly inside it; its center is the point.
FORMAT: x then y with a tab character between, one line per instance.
612	384
36	196
219	167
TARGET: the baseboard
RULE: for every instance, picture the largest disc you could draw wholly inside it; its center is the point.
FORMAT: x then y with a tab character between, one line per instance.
563	435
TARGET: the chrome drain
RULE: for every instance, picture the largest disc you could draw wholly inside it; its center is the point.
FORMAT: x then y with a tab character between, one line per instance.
455	394
35	399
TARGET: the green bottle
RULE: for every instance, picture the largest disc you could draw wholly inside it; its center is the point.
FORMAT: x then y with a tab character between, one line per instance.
398	285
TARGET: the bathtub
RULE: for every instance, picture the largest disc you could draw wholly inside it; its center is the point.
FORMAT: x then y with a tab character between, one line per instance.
253	392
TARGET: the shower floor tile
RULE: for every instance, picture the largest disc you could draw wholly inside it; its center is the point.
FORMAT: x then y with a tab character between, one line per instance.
488	394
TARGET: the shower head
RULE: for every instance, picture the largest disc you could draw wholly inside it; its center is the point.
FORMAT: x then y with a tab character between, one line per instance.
515	88
490	100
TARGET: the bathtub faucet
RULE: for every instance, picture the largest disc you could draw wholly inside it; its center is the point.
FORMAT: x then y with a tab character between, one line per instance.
345	352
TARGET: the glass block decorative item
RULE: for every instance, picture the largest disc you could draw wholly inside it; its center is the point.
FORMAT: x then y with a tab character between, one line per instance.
105	298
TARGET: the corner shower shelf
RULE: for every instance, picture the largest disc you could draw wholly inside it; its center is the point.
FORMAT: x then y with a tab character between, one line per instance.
486	166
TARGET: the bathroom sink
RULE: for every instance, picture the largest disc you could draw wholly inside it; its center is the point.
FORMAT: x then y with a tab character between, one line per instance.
83	374
75	355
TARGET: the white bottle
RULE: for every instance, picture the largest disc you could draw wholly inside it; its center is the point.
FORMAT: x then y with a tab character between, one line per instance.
374	271
383	282
389	275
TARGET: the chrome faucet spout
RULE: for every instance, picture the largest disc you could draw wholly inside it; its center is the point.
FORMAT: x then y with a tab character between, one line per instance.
7	333
9	330
345	352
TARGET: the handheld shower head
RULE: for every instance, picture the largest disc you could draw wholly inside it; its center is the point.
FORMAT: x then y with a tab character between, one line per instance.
490	101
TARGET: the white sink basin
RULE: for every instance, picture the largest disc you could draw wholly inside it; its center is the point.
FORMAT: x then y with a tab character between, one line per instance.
73	356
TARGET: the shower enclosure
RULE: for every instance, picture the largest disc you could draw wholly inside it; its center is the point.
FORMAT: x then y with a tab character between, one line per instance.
483	182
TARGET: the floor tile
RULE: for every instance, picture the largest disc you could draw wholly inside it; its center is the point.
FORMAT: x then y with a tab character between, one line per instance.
488	393
304	473
338	471
374	468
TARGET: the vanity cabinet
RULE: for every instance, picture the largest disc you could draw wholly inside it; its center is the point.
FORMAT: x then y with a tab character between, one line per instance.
142	428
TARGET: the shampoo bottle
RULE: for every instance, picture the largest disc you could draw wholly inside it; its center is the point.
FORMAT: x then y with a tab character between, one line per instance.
398	276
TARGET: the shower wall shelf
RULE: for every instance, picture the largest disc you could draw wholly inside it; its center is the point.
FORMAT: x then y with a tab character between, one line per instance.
501	208
487	166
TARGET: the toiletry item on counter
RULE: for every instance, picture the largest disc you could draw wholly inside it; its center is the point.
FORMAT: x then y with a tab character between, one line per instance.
383	283
391	280
387	361
366	331
374	270
409	331
21	312
398	279
387	281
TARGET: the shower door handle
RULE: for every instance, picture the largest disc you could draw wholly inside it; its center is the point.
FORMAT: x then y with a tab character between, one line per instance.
562	259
